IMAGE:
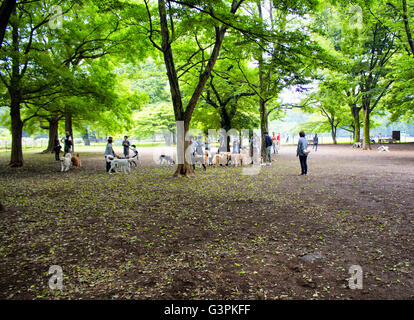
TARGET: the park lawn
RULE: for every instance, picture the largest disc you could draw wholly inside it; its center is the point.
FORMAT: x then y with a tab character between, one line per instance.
220	235
95	147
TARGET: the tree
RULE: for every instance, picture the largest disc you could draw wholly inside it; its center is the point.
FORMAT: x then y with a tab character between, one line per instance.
227	97
153	119
330	104
6	9
396	16
87	42
24	69
39	87
364	57
379	49
176	20
284	60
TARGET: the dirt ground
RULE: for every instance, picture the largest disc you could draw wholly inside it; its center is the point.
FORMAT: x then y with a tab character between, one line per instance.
220	235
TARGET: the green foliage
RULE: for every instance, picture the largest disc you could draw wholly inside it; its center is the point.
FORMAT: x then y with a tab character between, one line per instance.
329	106
152	119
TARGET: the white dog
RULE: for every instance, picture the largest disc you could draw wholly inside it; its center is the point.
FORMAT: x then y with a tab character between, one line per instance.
357	145
65	162
211	157
383	148
122	164
136	155
167	159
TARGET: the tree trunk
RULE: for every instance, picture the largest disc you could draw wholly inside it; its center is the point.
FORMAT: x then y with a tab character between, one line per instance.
2	208
367	140
68	127
86	139
16	159
186	168
333	134
53	132
407	27
6	10
179	113
167	136
226	125
174	136
263	124
357	127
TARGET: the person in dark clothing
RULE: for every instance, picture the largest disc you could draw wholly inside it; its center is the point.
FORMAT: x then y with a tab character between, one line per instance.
315	142
126	145
268	152
57	148
198	153
109	152
68	142
302	153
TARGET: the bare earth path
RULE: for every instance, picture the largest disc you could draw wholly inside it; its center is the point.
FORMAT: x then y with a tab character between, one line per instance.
221	235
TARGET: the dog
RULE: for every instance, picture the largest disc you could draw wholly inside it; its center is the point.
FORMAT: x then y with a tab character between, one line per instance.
199	158
357	145
206	157
222	158
136	155
211	157
236	159
121	164
65	162
167	159
245	157
383	148
76	161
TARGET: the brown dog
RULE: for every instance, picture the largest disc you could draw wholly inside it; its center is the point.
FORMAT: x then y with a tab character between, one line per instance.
222	158
76	161
206	158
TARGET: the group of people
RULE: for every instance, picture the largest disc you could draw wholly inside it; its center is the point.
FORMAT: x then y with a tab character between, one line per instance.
109	151
196	146
276	143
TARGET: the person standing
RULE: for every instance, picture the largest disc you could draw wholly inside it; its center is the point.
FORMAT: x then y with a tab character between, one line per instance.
57	148
236	146
126	145
268	151
199	146
274	143
222	140
67	140
302	153
109	152
278	142
315	142
198	149
191	145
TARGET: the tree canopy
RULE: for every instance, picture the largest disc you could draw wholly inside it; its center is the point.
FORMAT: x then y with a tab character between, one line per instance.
141	67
